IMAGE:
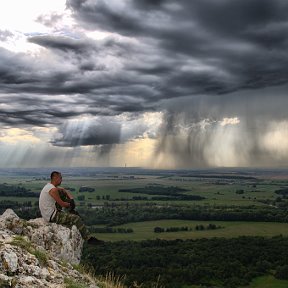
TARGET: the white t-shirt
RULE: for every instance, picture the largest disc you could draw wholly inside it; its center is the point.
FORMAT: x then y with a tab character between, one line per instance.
46	202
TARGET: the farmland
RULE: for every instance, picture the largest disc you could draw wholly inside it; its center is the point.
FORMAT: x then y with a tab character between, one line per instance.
229	229
183	205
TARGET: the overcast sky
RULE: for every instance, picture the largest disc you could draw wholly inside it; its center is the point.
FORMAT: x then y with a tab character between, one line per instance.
151	83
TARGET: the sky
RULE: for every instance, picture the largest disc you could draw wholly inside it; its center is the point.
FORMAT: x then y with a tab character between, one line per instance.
147	83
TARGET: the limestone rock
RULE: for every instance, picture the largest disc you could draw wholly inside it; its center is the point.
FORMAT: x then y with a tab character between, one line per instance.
9	260
60	241
9	220
39	254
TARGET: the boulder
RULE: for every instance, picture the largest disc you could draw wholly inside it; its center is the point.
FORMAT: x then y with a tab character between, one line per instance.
60	241
35	253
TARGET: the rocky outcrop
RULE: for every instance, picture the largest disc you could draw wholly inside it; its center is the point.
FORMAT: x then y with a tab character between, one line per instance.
35	253
59	241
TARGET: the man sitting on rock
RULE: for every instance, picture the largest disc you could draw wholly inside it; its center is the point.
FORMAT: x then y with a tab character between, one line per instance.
53	198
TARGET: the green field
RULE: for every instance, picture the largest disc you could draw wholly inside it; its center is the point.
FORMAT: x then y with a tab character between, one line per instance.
215	193
218	192
145	230
260	282
268	282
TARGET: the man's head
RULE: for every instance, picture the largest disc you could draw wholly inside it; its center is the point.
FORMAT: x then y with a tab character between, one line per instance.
56	178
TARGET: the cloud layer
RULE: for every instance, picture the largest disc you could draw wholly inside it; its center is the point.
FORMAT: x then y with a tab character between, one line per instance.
194	61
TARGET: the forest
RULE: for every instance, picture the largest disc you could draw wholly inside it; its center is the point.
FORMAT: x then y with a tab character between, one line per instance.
119	214
216	262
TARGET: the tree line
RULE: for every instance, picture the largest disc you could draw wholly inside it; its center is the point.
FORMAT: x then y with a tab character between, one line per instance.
199	227
164	193
112	214
208	262
110	230
16	191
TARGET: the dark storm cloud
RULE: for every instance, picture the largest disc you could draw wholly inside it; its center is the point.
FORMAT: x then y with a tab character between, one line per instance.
204	48
232	36
64	44
79	134
159	51
13	70
194	130
80	83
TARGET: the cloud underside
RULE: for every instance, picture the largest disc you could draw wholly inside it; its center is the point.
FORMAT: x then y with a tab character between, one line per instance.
193	60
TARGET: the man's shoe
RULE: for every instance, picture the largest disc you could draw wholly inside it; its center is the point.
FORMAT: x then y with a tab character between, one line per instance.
94	241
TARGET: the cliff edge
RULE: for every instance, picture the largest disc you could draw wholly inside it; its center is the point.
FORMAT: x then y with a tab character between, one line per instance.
35	253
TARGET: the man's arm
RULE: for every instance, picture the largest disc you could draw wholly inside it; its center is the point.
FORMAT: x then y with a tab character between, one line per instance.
55	195
69	195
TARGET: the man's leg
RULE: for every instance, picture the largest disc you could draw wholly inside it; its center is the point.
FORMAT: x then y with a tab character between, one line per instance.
68	219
